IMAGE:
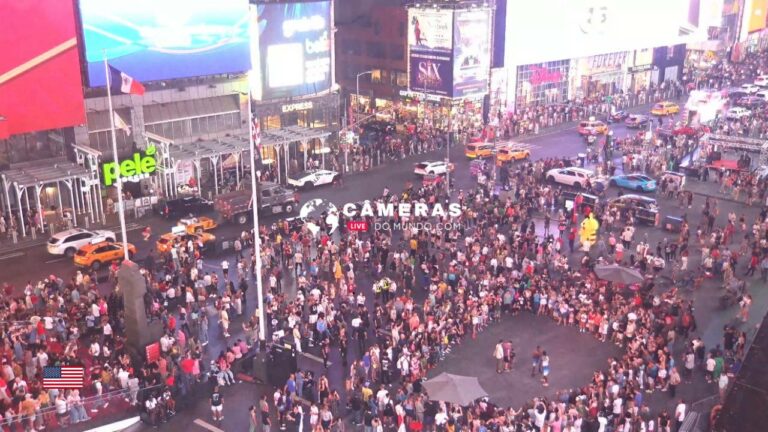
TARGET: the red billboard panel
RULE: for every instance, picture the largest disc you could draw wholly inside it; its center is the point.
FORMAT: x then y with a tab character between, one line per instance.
40	84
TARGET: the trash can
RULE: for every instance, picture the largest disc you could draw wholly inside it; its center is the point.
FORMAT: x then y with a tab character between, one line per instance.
673	224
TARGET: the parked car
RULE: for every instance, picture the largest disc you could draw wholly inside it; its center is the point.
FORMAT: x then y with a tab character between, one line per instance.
183	207
636	121
761	81
737	113
432	167
644	208
762	94
98	253
69	241
311	178
574	176
637	182
592	127
665	108
751	102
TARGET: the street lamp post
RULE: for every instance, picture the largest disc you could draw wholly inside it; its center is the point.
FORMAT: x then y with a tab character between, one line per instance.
357	92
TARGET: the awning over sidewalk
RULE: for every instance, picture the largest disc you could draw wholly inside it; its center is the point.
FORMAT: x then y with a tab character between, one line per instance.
292	134
208	149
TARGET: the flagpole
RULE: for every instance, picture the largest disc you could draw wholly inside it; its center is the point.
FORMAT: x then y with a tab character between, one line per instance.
256	237
119	180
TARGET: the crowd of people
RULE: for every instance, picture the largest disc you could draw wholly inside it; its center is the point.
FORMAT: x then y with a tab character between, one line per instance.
393	304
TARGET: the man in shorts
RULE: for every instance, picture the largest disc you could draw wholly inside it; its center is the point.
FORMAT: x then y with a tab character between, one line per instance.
217	404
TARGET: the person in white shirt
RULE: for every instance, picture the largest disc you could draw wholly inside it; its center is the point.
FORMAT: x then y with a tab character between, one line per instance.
680	411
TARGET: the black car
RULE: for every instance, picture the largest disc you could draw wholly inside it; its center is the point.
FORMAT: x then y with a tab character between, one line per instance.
568	197
751	102
183	206
642	207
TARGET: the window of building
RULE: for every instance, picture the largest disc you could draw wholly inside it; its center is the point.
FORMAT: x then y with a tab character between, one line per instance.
376	76
402	79
542	83
31	147
401	29
376	28
670	52
193	127
376	50
352	46
397	51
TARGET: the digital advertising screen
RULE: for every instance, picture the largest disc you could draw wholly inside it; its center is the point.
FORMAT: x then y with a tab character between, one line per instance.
471	52
430	51
755	14
154	40
580	28
40	82
294	43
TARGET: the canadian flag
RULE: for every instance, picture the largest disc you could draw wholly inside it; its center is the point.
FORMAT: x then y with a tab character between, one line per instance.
124	83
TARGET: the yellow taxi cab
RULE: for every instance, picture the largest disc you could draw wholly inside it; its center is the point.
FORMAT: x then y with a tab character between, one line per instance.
166	241
479	150
511	153
98	253
665	108
198	224
592	127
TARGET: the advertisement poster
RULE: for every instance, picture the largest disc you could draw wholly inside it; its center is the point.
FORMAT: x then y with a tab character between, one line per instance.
471	53
153	40
756	14
295	48
580	28
40	84
431	74
430	46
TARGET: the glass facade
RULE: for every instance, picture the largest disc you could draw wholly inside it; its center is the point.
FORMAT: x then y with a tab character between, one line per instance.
542	83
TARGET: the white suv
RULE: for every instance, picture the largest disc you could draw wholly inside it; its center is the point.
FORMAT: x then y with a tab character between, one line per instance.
69	241
762	81
574	176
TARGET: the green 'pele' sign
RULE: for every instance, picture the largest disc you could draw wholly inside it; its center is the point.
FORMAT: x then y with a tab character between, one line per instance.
137	167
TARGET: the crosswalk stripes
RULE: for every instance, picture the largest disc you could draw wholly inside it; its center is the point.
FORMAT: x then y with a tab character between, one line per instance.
205	425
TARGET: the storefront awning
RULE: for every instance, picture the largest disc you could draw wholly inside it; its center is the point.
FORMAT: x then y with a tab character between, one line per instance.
208	149
161	113
39	175
292	134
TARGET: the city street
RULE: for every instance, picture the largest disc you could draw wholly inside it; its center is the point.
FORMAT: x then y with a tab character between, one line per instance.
525	331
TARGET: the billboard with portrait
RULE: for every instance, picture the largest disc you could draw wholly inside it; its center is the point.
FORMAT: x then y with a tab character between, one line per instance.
294	43
430	51
164	39
40	82
580	28
471	52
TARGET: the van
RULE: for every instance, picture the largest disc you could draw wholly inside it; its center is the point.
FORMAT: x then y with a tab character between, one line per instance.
479	150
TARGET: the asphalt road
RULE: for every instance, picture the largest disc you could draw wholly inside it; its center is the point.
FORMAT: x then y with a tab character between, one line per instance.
34	264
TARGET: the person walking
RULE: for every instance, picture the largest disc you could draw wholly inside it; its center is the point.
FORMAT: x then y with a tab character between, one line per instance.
536	359
266	423
545	368
217	404
253	418
498	354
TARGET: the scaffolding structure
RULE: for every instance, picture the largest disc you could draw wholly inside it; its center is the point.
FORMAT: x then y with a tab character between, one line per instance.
728	142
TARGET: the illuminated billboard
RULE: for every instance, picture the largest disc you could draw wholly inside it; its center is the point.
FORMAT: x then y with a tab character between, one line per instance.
430	51
754	12
164	39
294	43
40	82
471	52
538	32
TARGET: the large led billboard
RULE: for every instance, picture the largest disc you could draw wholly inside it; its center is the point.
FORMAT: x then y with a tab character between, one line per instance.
550	30
430	55
471	52
754	11
40	82
294	41
164	39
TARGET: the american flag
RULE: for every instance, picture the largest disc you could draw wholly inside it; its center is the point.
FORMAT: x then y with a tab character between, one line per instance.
256	133
63	377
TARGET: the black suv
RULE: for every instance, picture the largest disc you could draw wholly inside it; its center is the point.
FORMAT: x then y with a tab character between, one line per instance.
644	208
181	207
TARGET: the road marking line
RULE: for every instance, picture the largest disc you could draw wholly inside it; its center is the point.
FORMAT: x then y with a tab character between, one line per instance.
11	255
55	260
314	357
204	424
